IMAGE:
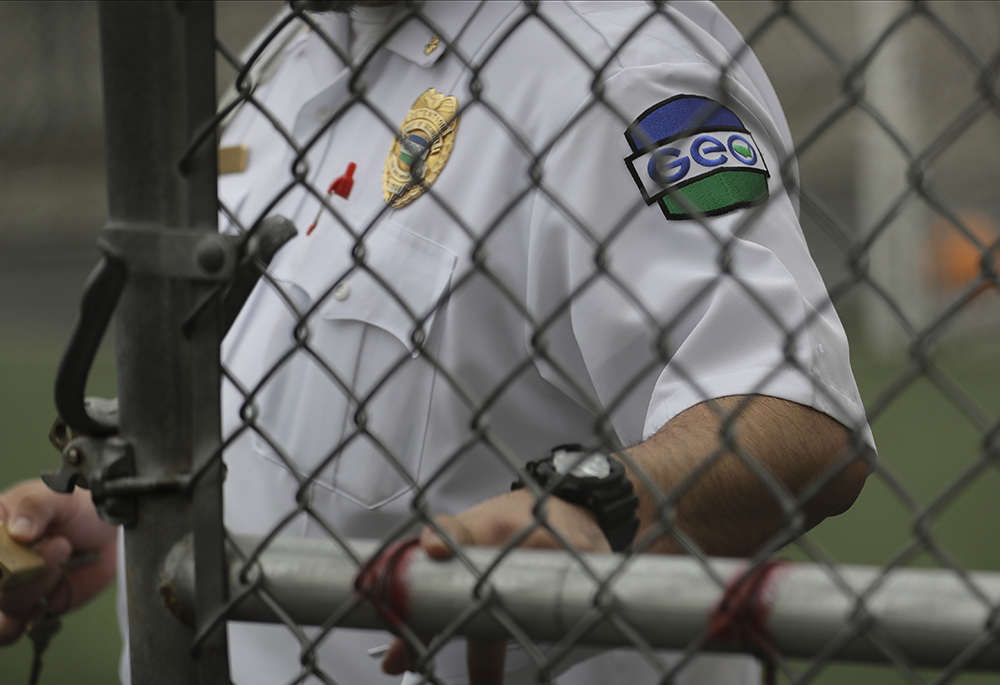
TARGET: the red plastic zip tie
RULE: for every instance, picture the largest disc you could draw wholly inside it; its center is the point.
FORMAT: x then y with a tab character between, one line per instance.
342	186
382	581
740	617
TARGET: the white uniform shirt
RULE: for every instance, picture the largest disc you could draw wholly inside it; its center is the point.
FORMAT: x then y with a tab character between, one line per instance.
495	265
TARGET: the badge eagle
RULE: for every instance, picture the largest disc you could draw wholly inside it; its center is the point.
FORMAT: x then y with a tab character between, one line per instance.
421	149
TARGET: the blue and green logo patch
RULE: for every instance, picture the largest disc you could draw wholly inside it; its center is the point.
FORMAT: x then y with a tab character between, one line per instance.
694	157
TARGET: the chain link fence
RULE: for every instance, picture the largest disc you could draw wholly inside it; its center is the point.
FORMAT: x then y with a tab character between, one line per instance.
356	406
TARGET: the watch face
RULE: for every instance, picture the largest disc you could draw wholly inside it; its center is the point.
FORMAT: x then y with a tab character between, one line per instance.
594	465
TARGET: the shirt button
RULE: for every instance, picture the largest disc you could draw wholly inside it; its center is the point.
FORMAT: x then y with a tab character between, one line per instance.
324	113
342	291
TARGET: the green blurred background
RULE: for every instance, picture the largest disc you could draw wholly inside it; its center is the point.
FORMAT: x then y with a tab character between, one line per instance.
930	430
86	650
923	440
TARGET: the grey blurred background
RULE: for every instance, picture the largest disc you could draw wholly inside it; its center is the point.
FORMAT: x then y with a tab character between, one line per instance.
51	161
924	81
52	193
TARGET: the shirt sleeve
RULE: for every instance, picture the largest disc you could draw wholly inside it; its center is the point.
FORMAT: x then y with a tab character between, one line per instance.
672	301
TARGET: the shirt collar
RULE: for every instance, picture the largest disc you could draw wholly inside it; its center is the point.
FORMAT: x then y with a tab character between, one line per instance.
329	75
324	62
448	20
422	39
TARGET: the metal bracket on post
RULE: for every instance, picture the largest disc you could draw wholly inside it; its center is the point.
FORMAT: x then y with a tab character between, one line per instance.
129	250
106	467
102	465
93	458
96	458
188	254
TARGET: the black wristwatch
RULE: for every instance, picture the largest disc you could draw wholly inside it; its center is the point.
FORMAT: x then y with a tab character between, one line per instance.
592	480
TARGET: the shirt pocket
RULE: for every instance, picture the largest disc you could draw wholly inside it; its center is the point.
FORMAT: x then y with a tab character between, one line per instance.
395	285
350	407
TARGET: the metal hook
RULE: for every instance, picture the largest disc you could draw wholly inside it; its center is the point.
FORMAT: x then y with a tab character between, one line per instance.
90	416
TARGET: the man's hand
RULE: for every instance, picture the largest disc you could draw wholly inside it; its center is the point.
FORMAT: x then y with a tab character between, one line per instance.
493	523
57	527
728	511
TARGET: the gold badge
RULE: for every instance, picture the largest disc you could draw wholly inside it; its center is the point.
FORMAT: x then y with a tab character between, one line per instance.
421	149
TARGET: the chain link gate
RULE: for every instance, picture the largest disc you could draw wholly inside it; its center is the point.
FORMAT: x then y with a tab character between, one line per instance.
182	285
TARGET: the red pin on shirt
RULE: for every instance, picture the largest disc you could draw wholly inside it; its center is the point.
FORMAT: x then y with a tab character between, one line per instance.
340	186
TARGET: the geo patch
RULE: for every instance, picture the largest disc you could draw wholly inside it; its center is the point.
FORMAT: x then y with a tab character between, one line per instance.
693	149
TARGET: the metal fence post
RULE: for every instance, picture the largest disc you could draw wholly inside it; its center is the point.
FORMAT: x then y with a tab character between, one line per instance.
158	69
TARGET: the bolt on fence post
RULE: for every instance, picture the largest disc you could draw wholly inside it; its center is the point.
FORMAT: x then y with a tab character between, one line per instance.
159	91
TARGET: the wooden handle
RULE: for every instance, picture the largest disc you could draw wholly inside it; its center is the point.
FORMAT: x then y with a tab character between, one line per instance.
18	564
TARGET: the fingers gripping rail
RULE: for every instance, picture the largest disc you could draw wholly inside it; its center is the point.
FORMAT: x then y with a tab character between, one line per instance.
86	432
930	617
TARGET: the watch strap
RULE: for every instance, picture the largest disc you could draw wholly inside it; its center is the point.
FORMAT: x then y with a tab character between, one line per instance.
611	499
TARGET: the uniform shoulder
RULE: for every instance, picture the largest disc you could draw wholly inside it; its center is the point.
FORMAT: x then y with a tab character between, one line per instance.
268	46
638	34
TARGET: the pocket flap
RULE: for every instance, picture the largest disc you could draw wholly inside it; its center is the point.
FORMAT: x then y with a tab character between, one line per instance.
399	285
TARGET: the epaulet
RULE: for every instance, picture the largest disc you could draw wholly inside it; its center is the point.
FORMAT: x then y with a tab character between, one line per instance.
265	65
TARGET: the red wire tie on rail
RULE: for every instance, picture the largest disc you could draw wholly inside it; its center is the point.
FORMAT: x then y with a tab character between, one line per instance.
382	581
740	617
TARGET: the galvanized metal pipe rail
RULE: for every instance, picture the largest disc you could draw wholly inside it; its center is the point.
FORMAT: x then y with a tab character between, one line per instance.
928	617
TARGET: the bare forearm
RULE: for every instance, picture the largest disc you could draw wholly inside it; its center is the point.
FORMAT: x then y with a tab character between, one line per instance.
689	484
716	492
